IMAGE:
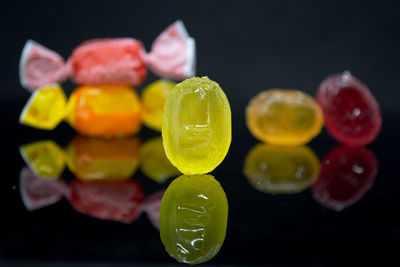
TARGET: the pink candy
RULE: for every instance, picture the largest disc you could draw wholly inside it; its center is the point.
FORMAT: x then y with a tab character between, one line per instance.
111	61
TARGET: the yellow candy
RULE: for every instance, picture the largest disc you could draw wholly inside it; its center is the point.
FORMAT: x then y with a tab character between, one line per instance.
284	117
154	163
45	158
196	127
153	99
282	170
193	218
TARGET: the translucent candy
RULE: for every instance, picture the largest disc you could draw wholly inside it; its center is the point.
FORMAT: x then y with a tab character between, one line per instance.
154	163
347	173
282	170
153	100
193	218
284	117
352	115
196	127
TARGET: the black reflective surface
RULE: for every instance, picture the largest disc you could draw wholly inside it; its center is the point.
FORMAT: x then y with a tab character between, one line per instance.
246	48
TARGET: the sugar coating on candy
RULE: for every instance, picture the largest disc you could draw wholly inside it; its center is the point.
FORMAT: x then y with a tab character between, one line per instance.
37	192
352	115
39	66
196	126
193	218
111	61
112	200
281	169
173	53
105	110
153	99
103	158
154	163
347	173
284	117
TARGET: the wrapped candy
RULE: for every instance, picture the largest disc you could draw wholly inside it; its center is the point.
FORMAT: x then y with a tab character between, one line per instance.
88	158
111	61
102	110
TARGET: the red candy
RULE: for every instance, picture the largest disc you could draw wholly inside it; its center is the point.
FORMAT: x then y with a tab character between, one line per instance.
351	113
108	200
347	173
111	61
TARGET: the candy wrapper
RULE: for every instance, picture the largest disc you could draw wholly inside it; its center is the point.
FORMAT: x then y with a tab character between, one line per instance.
111	61
101	110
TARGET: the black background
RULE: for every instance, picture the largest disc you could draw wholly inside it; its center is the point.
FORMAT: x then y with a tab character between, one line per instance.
247	47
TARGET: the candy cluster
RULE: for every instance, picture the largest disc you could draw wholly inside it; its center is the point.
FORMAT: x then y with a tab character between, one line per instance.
105	103
291	117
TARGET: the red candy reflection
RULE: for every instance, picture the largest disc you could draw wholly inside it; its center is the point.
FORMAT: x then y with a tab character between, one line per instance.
108	200
347	173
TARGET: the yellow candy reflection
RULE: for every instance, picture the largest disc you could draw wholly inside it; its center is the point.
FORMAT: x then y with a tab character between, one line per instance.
154	163
193	218
87	158
282	170
45	158
153	99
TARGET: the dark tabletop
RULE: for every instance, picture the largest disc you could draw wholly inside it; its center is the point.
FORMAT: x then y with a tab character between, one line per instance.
247	47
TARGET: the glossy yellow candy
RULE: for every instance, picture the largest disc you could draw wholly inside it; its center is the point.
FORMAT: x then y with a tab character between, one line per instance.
193	218
154	163
45	158
284	117
282	170
153	100
196	127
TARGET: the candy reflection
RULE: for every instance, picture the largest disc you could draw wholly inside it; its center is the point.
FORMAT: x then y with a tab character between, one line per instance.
193	218
96	158
347	173
87	158
108	200
154	163
37	192
152	206
281	170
